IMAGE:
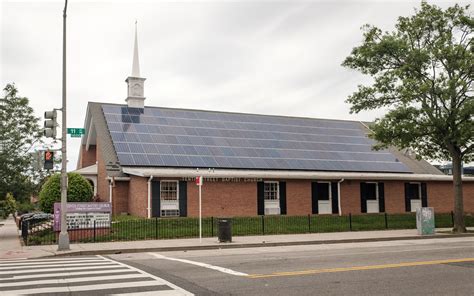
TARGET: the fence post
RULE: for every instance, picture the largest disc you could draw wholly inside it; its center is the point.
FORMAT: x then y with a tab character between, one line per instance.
350	221
156	227
212	226
309	223
94	230
452	219
386	221
263	224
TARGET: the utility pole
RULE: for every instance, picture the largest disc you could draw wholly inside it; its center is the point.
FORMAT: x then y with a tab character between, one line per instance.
63	243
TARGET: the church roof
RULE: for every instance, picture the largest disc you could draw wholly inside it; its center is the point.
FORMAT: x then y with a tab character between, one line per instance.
183	138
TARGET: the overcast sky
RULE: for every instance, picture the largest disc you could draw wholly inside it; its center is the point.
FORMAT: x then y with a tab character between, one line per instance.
242	56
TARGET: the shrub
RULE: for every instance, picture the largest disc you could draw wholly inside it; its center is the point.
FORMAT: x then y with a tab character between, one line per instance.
7	206
25	207
79	190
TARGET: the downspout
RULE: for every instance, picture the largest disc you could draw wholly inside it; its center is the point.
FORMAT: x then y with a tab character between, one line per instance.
339	195
149	197
111	185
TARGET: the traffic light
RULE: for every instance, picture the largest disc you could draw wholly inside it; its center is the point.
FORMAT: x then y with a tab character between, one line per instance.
48	160
50	124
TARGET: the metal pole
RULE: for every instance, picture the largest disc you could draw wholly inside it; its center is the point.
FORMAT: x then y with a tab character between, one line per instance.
63	243
200	215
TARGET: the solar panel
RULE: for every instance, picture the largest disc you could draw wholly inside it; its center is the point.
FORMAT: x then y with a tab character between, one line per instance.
189	138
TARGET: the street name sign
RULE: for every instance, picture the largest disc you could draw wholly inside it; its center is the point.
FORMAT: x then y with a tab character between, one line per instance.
76	132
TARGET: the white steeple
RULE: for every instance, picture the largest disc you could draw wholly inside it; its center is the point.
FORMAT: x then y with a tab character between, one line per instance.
135	83
136	61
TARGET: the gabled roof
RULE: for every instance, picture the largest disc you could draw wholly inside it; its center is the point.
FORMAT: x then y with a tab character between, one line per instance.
183	138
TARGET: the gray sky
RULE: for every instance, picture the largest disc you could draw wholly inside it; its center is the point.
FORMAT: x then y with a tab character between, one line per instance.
243	56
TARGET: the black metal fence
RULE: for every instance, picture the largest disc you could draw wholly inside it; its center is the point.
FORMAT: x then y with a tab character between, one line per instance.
41	232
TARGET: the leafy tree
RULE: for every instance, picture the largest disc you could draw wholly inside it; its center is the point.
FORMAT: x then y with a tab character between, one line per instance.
79	190
7	206
19	130
423	73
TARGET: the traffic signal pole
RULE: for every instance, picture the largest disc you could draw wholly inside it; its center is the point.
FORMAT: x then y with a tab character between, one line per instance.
63	242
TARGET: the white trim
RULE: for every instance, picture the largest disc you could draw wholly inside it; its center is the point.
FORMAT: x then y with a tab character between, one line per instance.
272	174
167	200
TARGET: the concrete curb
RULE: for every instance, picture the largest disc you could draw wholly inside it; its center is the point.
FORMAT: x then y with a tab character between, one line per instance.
252	245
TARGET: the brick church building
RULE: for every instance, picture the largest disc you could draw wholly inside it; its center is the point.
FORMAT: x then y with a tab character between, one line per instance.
144	160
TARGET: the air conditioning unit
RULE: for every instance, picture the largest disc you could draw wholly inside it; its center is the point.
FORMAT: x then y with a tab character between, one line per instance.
272	211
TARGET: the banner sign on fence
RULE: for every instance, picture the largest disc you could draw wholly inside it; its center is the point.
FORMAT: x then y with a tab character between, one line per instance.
83	215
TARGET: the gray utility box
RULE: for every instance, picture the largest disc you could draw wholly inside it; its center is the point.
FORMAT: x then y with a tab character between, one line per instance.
425	221
224	230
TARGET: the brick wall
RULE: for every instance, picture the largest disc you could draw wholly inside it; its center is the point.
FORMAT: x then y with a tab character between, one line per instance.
220	199
120	197
240	199
138	196
87	157
441	196
298	197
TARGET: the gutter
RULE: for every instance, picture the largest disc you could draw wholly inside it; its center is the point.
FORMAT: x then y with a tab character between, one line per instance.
275	174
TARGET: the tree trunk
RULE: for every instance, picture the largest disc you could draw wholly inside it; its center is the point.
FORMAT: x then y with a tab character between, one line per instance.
459	226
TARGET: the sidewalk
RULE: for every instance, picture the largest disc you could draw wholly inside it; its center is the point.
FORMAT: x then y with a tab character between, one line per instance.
10	246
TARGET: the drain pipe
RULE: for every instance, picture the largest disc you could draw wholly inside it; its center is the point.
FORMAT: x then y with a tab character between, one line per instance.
339	195
111	185
149	197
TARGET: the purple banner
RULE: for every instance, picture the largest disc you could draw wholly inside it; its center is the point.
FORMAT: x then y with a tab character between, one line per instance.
80	207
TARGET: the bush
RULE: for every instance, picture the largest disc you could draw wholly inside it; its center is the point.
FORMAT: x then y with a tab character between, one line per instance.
79	190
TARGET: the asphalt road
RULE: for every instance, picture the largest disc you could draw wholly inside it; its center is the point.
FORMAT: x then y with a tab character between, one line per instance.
431	267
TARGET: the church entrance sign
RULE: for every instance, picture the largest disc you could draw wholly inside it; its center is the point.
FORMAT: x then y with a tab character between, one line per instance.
84	215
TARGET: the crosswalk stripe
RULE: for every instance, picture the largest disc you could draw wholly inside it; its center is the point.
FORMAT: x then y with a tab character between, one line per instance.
49	262
88	275
58	268
87	288
45	259
55	265
152	293
46	275
150	275
75	280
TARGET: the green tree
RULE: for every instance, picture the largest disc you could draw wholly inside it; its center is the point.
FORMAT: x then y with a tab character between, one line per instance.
7	206
79	190
423	74
19	130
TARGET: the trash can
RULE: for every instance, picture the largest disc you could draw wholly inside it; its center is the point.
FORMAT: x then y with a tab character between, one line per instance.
224	232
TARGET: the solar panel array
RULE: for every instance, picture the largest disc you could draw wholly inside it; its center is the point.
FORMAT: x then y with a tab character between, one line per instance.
162	137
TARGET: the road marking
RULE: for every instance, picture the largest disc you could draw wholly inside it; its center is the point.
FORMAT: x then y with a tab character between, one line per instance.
148	283
205	265
44	265
63	268
70	275
356	268
47	275
150	293
184	292
46	262
75	280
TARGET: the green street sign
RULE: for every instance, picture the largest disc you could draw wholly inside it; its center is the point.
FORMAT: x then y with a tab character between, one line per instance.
75	136
76	132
